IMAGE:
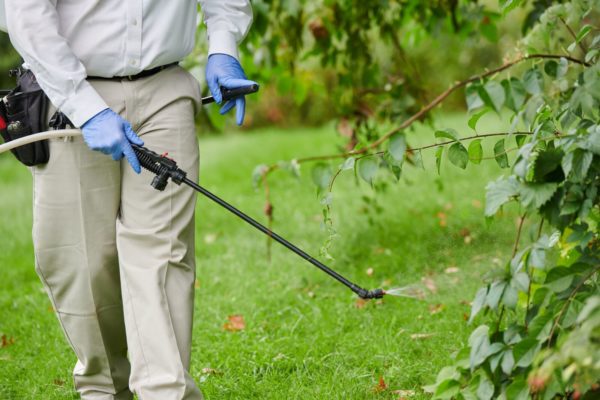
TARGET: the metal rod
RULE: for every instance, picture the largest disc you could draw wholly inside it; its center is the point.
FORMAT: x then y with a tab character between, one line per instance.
355	288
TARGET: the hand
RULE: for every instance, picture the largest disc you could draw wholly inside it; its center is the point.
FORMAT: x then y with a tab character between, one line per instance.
224	70
110	134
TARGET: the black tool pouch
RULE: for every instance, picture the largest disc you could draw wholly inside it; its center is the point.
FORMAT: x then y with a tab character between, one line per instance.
24	111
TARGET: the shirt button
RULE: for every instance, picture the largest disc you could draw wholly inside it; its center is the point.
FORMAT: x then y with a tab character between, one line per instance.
133	62
134	22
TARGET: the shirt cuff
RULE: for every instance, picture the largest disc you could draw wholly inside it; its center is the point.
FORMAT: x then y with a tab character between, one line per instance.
222	42
83	105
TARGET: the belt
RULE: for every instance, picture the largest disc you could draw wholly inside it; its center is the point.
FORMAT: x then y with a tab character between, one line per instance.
143	74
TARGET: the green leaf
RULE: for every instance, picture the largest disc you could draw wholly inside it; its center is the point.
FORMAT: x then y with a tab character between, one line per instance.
438	158
397	147
583	32
493	95
447	390
508	361
321	175
485	391
592	142
495	294
541	324
520	140
458	155
488	29
518	389
576	164
550	68
498	193
479	342
257	174
520	280
524	351
348	164
510	297
591	55
495	361
293	167
590	306
475	151
478	303
472	97
500	154
559	279
536	195
417	159
537	255
533	81
515	93
475	118
563	67
546	166
367	168
508	5
447	133
445	384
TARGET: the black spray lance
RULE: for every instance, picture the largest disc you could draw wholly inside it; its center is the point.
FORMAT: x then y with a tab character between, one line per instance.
166	169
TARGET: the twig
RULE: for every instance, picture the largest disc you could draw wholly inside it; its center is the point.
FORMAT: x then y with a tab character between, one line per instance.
518	238
530	274
439	99
515	249
269	213
569	299
581	46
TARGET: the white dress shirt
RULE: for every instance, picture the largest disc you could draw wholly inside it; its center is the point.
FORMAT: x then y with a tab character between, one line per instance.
64	41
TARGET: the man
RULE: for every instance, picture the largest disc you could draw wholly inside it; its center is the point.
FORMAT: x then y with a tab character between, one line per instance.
115	255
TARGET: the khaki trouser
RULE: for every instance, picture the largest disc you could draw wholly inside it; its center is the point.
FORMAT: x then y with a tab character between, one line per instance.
117	256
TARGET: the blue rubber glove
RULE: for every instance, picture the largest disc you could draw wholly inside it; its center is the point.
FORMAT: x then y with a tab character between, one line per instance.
110	134
224	70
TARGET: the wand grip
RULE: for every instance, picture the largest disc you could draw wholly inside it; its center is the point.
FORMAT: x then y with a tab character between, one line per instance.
229	94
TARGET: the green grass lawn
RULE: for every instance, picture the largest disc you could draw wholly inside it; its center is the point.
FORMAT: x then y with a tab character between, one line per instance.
305	337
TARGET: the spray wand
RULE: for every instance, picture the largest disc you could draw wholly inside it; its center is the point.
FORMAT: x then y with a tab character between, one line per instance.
166	169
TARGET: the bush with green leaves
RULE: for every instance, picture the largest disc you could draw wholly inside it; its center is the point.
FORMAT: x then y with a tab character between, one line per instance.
537	319
541	336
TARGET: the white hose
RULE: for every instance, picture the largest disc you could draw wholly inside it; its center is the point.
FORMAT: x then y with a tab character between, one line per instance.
38	137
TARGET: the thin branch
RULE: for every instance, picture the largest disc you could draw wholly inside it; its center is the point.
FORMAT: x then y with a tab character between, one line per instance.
518	238
439	99
581	46
530	274
569	300
461	84
515	249
269	213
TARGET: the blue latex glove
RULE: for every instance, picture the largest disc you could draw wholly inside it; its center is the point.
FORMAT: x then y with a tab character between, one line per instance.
110	134
224	70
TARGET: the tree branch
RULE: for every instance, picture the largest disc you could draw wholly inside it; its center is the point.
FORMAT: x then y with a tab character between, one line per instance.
434	103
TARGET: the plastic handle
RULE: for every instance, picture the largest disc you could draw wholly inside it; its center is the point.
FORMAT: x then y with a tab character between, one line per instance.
229	94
